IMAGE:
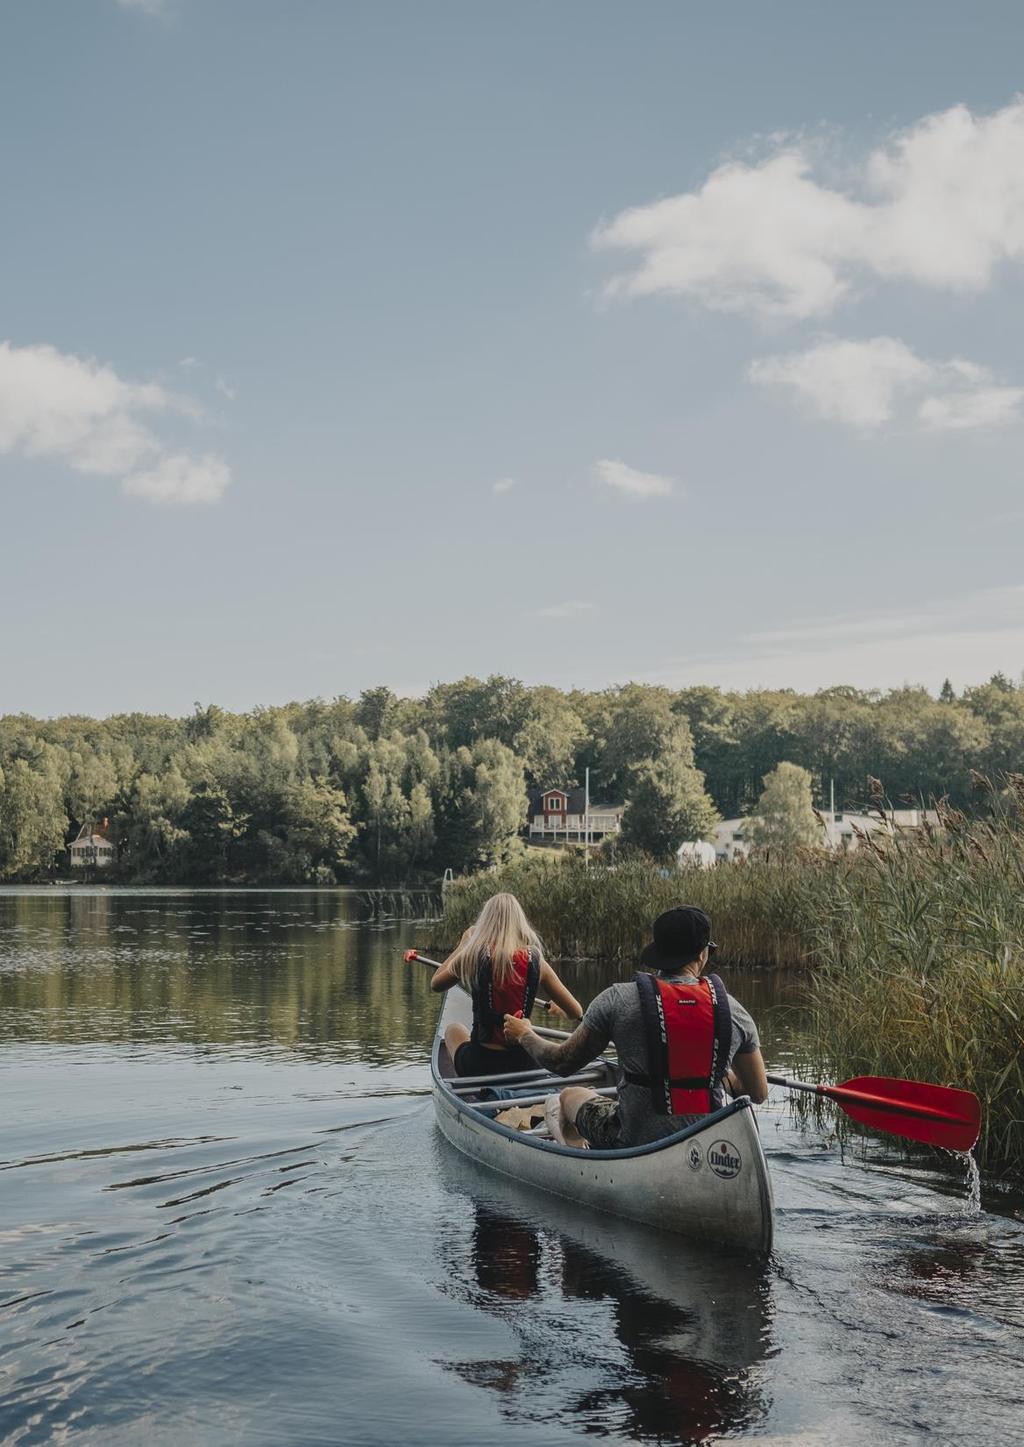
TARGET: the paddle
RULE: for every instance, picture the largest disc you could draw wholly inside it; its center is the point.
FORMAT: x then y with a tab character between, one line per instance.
935	1114
414	955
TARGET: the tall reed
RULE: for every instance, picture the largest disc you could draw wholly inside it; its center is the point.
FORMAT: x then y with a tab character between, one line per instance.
920	952
761	912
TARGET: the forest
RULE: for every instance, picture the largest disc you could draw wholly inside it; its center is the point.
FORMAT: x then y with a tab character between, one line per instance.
383	789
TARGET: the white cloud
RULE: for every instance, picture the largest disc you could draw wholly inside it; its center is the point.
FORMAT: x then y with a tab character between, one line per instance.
983	407
867	384
504	484
55	405
147	7
226	389
178	478
637	485
940	204
573	609
967	638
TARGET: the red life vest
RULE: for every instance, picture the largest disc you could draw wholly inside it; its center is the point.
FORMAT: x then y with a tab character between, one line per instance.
688	1031
491	1002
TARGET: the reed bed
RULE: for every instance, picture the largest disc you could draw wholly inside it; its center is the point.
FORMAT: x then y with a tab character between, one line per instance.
401	903
762	913
920	966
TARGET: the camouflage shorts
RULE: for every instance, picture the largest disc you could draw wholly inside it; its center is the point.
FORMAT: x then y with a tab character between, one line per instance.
597	1121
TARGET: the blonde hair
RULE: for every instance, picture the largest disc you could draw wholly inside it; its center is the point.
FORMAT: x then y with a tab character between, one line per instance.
500	931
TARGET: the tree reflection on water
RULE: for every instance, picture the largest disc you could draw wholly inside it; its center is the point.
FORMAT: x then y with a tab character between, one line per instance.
300	969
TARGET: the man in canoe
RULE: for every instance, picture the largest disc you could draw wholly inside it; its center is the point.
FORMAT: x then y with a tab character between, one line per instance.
680	1040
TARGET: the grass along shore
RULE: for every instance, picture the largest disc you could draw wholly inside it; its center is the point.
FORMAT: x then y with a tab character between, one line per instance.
916	945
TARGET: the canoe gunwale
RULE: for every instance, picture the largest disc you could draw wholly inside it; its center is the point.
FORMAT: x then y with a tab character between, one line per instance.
622	1153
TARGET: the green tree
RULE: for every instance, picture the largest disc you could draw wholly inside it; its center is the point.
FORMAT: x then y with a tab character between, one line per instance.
387	819
493	708
204	723
153	836
1000	707
93	786
925	749
317	830
421	825
212	828
784	818
548	741
667	806
33	824
377	711
639	726
483	806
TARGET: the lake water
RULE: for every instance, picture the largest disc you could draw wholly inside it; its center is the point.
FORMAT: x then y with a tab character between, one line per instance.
226	1217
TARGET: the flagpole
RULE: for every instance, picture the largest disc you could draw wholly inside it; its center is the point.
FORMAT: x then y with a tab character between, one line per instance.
586	813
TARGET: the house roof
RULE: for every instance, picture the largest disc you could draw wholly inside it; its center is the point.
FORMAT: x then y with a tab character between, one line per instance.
576	802
94	833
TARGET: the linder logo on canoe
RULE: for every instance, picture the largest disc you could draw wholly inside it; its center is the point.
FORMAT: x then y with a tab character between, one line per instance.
724	1160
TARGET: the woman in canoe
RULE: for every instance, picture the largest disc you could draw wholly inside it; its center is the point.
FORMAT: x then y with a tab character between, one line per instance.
500	963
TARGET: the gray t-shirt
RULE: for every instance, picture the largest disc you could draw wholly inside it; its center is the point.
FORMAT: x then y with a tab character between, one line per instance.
615	1016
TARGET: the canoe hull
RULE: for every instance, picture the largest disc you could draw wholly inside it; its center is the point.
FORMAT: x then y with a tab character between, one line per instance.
709	1183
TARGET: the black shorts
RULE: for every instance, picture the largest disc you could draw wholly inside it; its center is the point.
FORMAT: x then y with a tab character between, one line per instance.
474	1059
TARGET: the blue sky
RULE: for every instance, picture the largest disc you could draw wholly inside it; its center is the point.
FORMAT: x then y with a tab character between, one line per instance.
383	343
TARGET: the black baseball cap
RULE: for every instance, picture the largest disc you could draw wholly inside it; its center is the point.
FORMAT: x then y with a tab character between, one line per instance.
680	935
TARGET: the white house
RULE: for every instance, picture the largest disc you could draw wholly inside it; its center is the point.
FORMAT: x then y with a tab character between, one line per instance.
696	854
561	814
92	849
840	830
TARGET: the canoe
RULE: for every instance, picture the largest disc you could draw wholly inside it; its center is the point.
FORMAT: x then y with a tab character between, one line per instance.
708	1182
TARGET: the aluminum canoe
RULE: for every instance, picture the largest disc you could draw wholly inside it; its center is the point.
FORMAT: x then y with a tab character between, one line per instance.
709	1182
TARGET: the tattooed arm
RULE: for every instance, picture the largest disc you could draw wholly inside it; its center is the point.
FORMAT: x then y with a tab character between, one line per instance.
562	1057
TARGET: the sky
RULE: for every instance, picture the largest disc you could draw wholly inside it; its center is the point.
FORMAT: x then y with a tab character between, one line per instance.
383	343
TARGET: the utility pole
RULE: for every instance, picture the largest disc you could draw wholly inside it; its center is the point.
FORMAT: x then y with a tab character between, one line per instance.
832	839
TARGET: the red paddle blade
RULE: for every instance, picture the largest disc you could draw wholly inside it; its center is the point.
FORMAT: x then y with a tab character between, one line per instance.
411	955
937	1115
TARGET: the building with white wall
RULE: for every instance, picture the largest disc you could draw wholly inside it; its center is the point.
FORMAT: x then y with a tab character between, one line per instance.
92	849
696	854
840	830
562	814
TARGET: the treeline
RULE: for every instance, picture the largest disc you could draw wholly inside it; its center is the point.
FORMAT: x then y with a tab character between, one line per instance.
387	789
